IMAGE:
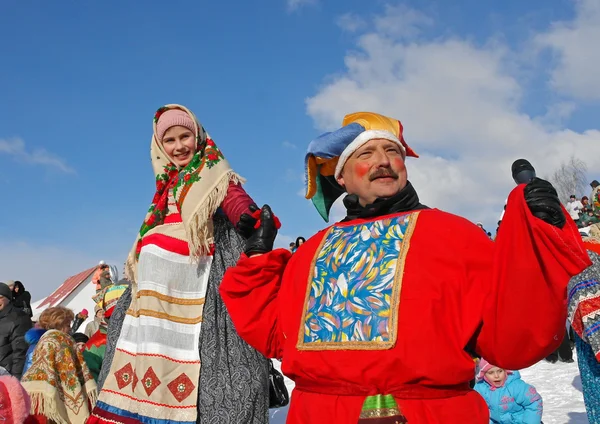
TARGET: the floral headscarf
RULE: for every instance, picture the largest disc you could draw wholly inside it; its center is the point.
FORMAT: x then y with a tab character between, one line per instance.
198	189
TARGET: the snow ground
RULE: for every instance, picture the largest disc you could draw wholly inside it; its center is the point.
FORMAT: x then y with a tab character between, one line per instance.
559	384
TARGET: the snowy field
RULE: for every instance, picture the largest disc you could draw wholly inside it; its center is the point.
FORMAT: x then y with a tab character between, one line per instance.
559	384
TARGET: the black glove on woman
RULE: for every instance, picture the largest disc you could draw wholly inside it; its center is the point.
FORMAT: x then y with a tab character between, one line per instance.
542	199
245	225
263	238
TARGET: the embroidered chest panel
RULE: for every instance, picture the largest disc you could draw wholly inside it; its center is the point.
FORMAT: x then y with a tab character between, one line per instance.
353	293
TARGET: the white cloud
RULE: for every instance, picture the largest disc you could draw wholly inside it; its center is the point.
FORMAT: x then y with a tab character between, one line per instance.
294	5
351	22
575	45
15	147
43	268
401	21
460	105
289	145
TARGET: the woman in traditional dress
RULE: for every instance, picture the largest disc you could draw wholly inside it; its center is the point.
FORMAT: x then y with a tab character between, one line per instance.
59	383
178	358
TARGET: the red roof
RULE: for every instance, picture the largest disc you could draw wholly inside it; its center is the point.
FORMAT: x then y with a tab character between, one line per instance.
67	287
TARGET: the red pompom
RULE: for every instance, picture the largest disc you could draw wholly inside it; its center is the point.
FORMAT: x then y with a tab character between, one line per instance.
256	215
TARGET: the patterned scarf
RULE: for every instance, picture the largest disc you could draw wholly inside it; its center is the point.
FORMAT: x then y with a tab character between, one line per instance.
198	189
59	382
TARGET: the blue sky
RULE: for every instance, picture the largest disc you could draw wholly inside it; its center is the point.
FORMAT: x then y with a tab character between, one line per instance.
80	81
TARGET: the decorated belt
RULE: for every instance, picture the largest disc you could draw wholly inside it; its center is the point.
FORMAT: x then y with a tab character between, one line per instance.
384	409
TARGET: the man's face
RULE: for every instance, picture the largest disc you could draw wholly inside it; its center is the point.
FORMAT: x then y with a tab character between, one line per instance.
375	170
3	302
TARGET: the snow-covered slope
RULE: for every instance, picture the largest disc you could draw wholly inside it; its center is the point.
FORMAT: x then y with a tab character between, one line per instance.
560	387
559	384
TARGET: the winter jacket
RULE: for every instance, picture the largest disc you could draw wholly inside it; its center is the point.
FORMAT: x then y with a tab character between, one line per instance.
92	326
514	403
574	208
14	323
22	299
32	337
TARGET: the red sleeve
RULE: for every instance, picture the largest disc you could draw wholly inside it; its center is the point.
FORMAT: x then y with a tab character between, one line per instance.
236	202
523	299
250	292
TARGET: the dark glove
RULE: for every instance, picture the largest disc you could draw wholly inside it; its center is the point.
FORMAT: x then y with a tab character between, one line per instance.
247	222
261	241
542	199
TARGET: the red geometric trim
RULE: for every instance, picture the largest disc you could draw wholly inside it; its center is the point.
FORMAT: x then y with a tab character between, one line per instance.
168	243
150	381
124	376
156	355
148	401
181	387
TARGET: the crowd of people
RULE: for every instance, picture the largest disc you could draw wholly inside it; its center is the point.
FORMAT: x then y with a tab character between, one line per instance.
584	212
374	318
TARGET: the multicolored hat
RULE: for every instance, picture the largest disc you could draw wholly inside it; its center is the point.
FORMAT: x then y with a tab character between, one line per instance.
327	154
108	297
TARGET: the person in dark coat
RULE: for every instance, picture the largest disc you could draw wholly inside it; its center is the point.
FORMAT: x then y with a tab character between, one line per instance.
14	323
21	298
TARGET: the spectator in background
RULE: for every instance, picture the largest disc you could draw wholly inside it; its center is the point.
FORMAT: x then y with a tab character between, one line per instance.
14	323
292	246
21	298
594	199
60	384
15	402
574	207
93	326
299	242
509	398
80	341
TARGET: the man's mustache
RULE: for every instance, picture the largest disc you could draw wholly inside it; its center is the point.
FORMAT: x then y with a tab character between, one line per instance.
383	172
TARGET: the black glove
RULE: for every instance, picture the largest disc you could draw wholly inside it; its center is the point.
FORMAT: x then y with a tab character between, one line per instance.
261	241
542	199
246	224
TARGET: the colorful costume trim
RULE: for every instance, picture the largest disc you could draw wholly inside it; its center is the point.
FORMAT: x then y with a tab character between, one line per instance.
352	299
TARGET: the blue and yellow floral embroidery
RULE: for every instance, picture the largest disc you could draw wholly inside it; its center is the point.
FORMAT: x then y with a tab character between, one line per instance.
353	294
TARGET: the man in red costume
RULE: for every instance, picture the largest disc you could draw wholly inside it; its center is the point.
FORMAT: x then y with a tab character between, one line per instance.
377	317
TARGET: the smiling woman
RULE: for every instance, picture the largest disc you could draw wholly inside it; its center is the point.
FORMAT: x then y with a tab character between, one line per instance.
177	339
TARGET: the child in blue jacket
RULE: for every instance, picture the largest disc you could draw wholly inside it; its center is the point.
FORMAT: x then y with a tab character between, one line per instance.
509	398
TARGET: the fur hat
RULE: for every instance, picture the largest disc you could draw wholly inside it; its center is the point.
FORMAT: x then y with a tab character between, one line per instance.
14	401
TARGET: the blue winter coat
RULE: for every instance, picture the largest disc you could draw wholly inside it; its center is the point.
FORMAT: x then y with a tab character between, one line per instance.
516	402
32	337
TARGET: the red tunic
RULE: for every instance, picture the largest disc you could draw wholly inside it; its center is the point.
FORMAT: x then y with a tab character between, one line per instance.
459	292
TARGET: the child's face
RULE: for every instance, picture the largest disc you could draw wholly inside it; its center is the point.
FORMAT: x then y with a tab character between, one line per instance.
496	376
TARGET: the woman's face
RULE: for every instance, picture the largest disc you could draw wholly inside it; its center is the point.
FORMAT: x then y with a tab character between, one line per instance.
180	145
300	242
16	289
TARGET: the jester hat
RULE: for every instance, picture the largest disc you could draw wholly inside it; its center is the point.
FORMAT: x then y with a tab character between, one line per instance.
327	154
